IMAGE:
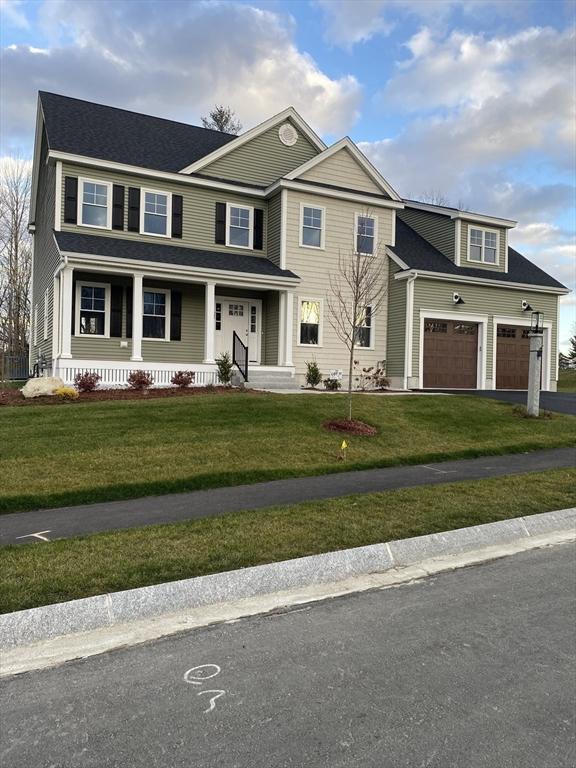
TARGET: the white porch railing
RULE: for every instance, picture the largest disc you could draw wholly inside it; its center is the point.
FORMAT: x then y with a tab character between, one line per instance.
114	374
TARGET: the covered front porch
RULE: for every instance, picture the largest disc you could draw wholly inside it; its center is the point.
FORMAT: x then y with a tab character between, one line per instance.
113	319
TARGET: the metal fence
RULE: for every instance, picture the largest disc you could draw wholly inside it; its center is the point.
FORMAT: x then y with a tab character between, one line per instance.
13	367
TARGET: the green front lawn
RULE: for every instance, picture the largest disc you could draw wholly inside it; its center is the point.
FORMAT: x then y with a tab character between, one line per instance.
86	452
567	381
38	574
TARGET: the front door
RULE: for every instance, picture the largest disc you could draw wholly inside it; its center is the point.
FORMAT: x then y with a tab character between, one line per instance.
240	316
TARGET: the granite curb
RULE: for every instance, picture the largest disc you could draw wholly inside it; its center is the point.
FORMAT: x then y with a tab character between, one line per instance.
23	628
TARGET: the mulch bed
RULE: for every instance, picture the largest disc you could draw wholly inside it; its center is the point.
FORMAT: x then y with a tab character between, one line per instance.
350	427
14	396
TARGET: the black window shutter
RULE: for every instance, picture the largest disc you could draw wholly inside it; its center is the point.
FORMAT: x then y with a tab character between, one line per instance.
175	315
117	206
220	229
133	209
128	313
70	199
116	310
74	329
258	229
177	215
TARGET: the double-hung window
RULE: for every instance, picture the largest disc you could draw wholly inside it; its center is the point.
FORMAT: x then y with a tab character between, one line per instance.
312	227
365	235
93	309
364	329
310	322
95	204
240	226
156	314
483	246
155	213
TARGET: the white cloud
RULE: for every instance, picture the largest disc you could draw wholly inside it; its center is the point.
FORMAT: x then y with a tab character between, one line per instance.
176	60
10	10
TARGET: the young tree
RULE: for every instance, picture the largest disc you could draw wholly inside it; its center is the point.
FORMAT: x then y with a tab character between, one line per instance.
359	282
222	118
572	349
15	254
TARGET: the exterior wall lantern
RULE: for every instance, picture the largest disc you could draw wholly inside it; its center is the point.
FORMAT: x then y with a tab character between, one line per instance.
537	323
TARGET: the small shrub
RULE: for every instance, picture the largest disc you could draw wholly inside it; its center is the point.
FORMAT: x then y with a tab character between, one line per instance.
313	375
332	384
87	381
379	379
225	367
522	413
371	378
139	380
210	387
67	393
183	379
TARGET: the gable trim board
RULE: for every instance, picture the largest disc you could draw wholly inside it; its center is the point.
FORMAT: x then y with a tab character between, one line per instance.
289	113
317	189
481	280
346	144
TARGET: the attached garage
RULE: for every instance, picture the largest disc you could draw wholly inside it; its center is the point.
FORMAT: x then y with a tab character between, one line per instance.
450	354
512	356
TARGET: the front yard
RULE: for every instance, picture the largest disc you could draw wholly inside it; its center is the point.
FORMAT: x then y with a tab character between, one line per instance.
85	452
38	574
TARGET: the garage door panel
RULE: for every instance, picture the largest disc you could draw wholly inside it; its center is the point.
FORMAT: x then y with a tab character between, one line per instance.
450	354
512	357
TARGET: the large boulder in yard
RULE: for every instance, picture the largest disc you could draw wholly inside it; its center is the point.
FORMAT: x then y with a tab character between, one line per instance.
44	385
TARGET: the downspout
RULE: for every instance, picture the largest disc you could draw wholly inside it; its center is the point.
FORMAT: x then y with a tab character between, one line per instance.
408	340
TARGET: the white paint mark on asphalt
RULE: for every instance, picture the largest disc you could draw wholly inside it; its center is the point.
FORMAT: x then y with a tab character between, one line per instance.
40	535
212	699
196	676
440	471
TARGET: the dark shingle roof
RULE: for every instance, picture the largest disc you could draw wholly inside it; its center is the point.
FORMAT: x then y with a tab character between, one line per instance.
97	245
417	253
107	133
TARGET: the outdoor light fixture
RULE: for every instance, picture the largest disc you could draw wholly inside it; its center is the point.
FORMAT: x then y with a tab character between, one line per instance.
537	323
457	299
526	307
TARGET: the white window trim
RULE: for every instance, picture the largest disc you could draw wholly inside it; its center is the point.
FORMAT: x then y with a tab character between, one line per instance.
320	324
108	184
484	230
320	247
168	195
168	294
90	284
46	314
250	209
35	324
375	220
372	326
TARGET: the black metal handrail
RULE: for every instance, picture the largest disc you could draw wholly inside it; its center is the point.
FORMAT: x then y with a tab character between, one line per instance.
240	355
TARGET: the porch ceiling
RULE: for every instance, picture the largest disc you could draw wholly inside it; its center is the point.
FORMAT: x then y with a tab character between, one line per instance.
167	254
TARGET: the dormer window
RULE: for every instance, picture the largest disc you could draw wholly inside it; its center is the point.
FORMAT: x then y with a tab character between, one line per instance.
483	246
94	203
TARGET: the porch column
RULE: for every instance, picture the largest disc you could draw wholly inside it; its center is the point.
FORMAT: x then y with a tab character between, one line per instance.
137	310
67	285
288	328
209	315
281	328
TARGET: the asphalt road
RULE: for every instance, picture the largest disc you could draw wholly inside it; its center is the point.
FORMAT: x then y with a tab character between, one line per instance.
470	669
62	523
560	402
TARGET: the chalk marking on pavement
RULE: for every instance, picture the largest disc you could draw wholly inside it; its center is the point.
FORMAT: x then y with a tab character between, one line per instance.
39	535
441	471
198	679
212	700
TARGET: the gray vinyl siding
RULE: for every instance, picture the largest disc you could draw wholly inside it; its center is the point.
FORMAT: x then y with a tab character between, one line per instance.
271	314
274	228
481	300
464	262
437	229
342	170
315	266
199	210
46	255
396	335
262	160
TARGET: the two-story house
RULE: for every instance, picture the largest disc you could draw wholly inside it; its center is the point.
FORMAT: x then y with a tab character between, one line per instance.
157	243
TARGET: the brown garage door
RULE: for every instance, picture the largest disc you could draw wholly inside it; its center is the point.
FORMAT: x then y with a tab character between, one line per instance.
450	354
512	357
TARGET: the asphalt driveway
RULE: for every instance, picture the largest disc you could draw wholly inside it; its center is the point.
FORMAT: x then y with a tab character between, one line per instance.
560	402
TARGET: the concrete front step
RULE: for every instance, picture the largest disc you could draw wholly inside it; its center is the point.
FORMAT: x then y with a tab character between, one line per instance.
271	380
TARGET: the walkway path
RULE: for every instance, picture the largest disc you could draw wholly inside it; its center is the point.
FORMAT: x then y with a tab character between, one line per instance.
48	524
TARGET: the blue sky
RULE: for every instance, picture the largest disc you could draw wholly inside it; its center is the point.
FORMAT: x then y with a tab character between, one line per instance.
471	100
